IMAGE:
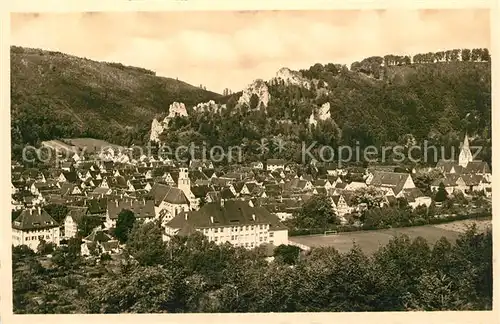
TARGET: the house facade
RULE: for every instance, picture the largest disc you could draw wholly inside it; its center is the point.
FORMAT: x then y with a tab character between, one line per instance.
72	219
274	164
32	226
142	209
168	201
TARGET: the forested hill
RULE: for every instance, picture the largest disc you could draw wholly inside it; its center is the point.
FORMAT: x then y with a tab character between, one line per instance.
57	95
390	100
379	100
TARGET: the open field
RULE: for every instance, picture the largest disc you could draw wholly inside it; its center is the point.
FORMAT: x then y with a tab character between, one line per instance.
461	226
90	144
370	241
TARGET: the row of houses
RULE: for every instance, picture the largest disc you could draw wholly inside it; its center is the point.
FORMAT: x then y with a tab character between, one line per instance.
245	206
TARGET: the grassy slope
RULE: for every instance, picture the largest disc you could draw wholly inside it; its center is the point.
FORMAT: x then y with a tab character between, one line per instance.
96	98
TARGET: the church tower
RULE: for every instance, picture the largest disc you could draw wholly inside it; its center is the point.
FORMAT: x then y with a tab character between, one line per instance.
465	154
183	182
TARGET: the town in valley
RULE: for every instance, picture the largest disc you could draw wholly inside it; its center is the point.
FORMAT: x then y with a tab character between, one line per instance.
329	188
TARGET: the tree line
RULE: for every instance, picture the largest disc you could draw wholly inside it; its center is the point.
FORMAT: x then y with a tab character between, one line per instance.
317	216
372	65
191	274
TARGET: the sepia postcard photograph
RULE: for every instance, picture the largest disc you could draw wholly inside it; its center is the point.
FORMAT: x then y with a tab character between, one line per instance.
264	161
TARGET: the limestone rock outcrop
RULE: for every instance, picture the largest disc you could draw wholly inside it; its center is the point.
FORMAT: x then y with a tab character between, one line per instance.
259	88
210	106
292	77
158	127
323	113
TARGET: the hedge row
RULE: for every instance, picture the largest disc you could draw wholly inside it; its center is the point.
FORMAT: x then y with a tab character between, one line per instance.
416	222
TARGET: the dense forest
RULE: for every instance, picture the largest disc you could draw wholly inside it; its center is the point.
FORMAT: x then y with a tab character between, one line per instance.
434	97
381	101
190	274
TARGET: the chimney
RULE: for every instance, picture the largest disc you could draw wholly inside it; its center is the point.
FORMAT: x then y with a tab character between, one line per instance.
185	215
211	219
116	203
253	217
39	210
222	202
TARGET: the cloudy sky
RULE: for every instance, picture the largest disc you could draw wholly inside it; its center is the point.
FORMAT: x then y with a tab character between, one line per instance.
230	49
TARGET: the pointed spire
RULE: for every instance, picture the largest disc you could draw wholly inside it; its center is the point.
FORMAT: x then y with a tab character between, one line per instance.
466	141
465	154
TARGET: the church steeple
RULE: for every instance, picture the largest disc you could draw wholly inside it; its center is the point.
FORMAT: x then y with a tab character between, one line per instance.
184	182
465	154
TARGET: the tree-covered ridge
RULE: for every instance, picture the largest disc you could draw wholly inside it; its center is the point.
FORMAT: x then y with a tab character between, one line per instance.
191	274
373	65
55	95
378	101
434	102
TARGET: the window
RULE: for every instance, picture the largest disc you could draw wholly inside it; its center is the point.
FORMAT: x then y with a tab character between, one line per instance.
251	227
246	244
246	228
271	241
216	239
222	229
271	234
260	239
232	237
216	230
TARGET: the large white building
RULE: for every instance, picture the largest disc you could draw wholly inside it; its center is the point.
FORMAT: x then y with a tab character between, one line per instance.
392	183
32	226
232	221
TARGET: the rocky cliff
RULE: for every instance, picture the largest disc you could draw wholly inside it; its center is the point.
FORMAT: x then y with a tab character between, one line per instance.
177	109
292	78
157	127
322	113
259	88
210	106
